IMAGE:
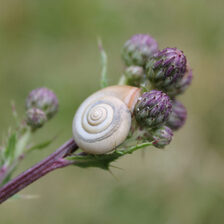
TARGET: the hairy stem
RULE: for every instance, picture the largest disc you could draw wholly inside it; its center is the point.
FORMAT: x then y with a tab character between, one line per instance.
54	161
104	81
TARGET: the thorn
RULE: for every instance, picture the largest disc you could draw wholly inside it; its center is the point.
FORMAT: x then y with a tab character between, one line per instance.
109	170
117	167
143	154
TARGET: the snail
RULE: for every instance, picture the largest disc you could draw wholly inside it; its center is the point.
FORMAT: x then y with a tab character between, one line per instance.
103	120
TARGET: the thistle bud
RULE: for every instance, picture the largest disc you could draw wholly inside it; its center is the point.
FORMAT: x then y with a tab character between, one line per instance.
134	75
35	118
178	116
43	99
153	109
181	85
166	67
162	137
139	49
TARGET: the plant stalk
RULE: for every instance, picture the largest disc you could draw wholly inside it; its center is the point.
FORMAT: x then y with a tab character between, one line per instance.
54	161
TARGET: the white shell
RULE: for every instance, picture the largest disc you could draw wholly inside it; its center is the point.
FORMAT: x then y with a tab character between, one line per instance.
103	120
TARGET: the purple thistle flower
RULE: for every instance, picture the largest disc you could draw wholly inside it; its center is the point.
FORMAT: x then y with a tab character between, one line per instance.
43	99
181	85
166	67
162	137
178	116
35	118
139	49
134	75
153	109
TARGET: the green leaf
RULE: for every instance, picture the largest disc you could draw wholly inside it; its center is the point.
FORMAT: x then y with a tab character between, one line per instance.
41	145
2	149
22	143
10	148
100	161
6	179
104	161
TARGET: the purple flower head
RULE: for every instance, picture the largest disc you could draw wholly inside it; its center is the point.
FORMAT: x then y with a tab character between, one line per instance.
178	116
35	118
43	99
181	85
162	137
166	67
134	75
139	49
153	109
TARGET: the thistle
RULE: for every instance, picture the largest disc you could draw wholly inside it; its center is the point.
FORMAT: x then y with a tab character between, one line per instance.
162	137
153	109
40	103
105	127
134	75
36	118
180	87
139	49
178	116
43	99
166	68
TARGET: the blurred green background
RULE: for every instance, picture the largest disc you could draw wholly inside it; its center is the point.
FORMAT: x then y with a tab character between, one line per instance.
54	44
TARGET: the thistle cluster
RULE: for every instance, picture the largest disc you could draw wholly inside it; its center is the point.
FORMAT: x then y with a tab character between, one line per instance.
162	76
41	105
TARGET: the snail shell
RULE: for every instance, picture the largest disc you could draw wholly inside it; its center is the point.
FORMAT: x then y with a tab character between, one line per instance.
103	120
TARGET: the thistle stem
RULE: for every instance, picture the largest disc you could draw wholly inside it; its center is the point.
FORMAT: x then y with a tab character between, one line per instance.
54	161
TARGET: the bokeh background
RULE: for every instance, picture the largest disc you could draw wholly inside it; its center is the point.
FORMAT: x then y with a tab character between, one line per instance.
54	44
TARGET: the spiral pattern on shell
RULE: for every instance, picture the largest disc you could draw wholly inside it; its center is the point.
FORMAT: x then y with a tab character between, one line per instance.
101	123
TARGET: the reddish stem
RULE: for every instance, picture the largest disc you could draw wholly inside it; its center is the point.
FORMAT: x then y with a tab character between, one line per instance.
54	161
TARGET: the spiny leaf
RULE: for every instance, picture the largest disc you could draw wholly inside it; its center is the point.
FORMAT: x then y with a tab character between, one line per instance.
104	161
100	161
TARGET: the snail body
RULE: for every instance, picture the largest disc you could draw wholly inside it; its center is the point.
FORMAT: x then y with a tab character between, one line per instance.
103	120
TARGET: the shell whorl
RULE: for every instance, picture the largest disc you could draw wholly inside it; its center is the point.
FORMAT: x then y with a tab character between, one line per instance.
103	120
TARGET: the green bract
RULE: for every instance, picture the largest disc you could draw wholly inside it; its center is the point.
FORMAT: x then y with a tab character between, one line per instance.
139	49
